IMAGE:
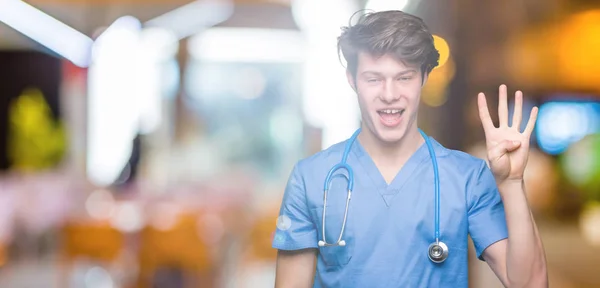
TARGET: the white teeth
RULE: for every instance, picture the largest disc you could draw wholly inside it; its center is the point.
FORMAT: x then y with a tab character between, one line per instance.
390	111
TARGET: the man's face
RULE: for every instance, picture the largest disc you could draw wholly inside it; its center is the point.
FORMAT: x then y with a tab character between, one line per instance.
388	95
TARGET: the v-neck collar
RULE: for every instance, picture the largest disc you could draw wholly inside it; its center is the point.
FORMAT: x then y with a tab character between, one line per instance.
388	191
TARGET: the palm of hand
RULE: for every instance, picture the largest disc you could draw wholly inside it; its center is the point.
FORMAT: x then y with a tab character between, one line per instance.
507	146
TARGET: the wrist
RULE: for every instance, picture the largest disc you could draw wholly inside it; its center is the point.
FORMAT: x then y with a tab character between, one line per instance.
517	182
510	186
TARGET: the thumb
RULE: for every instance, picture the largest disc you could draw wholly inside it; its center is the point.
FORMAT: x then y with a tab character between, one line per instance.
502	148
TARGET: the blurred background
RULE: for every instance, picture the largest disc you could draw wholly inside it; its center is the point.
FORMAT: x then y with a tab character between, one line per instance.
148	143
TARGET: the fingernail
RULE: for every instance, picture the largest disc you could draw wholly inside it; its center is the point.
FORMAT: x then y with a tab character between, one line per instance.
516	142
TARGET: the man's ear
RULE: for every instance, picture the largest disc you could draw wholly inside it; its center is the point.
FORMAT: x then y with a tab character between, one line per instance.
351	80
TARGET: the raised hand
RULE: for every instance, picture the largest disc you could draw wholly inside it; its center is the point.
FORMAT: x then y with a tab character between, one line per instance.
507	146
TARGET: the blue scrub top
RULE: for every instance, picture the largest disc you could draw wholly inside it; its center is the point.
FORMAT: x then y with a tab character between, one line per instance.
389	227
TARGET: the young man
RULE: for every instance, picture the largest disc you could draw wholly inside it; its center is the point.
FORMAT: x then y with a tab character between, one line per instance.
390	220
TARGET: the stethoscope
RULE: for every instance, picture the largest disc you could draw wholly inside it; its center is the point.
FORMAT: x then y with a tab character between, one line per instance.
437	251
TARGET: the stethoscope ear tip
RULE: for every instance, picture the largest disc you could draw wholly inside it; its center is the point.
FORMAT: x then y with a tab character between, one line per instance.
340	243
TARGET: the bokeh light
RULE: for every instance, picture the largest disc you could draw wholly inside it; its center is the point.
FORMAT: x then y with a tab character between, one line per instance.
100	204
589	223
560	124
128	217
541	181
443	48
435	91
383	5
581	165
284	222
578	51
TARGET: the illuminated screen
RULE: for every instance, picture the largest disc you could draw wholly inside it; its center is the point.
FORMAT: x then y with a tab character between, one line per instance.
562	123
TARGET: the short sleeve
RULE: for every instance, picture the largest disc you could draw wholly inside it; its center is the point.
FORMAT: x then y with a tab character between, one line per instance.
487	221
295	229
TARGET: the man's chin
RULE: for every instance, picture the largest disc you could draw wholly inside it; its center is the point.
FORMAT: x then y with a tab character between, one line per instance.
391	136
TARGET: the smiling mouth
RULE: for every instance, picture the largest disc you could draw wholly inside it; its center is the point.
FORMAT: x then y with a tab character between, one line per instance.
390	117
390	112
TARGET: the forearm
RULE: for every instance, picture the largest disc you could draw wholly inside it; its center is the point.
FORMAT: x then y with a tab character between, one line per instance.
295	269
525	260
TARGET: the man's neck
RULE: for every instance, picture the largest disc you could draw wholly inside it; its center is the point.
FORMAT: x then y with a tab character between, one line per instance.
391	155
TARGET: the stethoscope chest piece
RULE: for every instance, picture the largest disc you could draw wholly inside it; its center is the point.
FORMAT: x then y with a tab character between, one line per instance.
438	252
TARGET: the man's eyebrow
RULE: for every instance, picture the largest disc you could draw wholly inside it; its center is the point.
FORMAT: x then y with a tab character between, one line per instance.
380	74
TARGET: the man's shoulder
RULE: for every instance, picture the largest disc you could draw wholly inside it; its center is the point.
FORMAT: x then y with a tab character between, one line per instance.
318	159
467	169
461	160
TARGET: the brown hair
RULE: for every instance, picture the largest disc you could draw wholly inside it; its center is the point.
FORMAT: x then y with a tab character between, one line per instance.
404	36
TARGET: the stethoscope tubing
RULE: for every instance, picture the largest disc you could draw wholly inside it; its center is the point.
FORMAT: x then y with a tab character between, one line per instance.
436	257
436	183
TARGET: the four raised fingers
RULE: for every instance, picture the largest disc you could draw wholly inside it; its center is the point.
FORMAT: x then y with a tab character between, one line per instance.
486	119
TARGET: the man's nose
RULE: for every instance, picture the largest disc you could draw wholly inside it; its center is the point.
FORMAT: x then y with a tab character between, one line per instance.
390	93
